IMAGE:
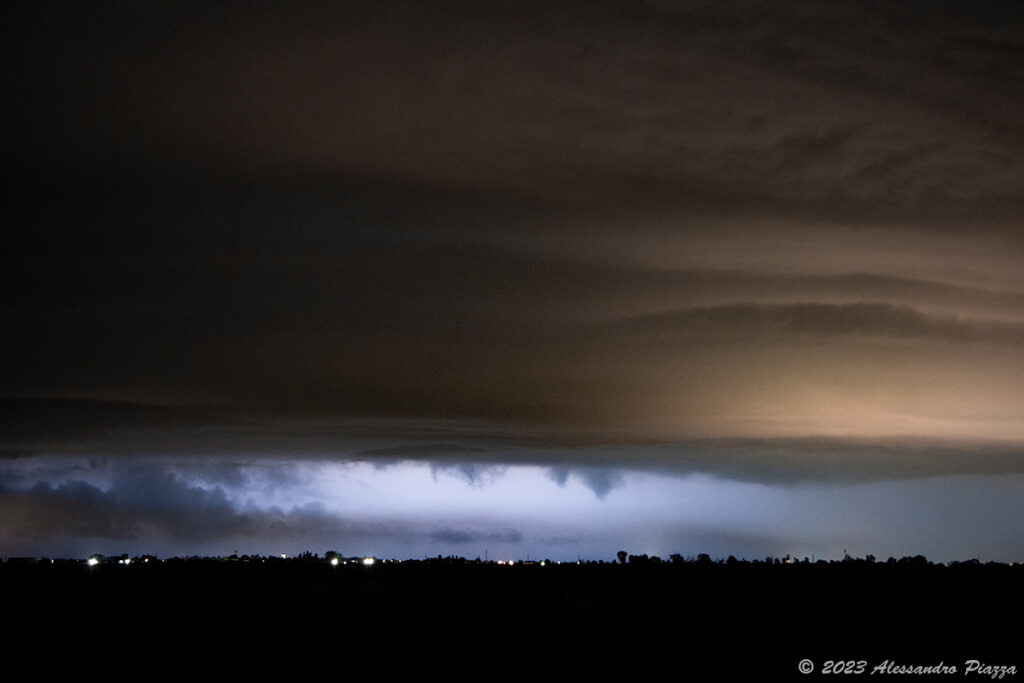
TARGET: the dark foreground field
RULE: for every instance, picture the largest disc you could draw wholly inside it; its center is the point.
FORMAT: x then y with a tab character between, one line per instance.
201	620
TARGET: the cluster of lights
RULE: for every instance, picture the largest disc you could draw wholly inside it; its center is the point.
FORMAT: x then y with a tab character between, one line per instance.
93	561
334	561
366	561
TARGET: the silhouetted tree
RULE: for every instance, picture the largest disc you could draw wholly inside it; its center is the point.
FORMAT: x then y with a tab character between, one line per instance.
622	556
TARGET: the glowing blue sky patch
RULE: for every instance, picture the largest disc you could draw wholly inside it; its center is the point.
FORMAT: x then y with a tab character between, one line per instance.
407	509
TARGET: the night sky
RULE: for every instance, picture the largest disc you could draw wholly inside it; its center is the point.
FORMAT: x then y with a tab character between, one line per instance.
513	279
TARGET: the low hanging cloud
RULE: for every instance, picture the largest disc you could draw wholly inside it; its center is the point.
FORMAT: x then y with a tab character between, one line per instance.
838	461
148	503
600	480
465	536
775	461
822	320
475	474
686	497
221	454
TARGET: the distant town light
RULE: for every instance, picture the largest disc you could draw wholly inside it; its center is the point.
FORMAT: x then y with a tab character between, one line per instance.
368	561
334	562
92	562
284	556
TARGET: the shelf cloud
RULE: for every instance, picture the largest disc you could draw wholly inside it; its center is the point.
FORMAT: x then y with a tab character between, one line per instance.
578	245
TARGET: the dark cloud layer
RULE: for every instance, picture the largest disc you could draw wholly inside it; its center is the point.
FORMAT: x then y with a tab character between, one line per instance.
490	234
479	453
407	208
854	109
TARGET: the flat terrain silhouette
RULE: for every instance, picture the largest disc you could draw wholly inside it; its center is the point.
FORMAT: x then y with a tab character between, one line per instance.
724	620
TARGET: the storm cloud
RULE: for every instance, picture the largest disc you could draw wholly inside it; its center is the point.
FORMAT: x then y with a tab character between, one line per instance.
771	245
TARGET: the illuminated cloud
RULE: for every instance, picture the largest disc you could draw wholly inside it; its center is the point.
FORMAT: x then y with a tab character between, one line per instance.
777	245
76	507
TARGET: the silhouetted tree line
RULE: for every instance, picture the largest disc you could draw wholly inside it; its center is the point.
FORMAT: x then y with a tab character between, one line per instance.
703	559
337	561
747	619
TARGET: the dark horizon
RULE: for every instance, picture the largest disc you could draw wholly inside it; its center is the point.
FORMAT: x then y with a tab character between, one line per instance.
334	558
734	620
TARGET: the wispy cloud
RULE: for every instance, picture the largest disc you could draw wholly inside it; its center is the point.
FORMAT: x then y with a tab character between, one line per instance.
744	321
